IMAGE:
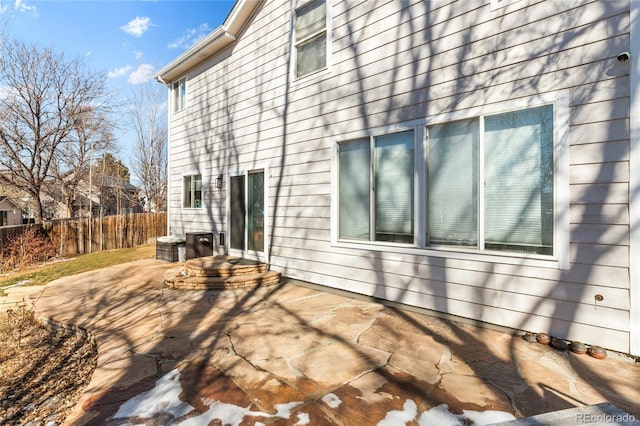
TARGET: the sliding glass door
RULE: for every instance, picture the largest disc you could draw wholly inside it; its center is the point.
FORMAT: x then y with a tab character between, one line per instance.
247	212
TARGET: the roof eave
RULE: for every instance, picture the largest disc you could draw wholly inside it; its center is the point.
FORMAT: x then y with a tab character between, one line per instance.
212	44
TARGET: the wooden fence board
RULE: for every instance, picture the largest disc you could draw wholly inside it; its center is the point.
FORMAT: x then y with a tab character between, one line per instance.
71	236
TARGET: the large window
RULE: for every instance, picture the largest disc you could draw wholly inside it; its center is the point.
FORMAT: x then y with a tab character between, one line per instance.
192	192
488	184
512	155
179	93
310	37
376	178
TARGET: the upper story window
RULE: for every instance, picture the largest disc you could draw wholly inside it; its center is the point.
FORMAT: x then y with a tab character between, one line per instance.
310	38
192	192
179	94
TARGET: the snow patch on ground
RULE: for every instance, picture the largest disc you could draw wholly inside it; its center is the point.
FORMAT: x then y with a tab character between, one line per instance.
441	415
303	419
165	398
401	417
331	400
229	414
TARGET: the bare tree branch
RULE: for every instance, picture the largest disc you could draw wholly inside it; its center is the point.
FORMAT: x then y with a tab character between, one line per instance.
45	99
147	119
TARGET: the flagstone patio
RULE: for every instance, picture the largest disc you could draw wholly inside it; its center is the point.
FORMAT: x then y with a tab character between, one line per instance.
290	354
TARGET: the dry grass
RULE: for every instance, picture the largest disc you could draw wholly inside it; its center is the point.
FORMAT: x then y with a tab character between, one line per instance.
42	372
83	263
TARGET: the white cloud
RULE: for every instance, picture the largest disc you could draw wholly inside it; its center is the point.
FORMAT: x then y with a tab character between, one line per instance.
119	72
138	54
142	74
137	26
190	37
21	6
6	92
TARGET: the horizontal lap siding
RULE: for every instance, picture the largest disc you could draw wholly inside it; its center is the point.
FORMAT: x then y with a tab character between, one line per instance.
398	61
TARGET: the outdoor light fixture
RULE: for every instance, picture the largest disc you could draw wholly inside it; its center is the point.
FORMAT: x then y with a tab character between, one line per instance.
219	181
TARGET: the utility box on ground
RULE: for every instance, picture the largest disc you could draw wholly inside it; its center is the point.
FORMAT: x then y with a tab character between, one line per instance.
168	248
199	244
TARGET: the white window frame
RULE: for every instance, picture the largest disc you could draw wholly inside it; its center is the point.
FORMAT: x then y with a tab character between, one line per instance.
179	95
297	5
560	258
372	193
192	190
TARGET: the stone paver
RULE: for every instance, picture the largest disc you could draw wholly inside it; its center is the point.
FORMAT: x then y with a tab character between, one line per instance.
290	355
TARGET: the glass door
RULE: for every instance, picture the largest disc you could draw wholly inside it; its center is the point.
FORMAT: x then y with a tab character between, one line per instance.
238	211
247	212
255	212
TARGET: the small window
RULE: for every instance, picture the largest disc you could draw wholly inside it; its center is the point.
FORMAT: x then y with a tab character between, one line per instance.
179	89
192	192
4	218
310	38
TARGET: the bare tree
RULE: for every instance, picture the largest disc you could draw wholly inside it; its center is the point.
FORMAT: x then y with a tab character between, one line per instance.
148	121
44	97
92	136
111	179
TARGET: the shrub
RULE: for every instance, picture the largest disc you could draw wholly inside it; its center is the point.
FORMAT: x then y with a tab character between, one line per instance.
26	249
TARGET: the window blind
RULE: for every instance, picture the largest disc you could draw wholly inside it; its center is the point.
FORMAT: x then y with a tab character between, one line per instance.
518	166
354	183
394	158
310	20
452	173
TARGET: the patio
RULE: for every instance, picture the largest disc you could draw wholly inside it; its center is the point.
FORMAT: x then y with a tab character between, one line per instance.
291	354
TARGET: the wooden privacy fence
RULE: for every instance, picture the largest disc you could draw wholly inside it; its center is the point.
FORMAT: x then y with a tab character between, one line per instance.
73	236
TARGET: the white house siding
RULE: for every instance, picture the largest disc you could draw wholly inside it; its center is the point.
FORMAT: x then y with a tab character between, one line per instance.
393	62
14	213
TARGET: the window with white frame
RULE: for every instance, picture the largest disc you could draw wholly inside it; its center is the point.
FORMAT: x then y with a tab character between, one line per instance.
179	92
192	191
376	180
489	185
490	182
310	37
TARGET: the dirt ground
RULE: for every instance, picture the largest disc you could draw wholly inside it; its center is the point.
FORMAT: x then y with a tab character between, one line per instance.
42	372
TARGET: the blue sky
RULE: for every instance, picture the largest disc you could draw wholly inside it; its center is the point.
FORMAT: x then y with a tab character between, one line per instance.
127	40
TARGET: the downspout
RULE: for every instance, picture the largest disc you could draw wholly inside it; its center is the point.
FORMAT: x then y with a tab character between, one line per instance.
159	79
634	178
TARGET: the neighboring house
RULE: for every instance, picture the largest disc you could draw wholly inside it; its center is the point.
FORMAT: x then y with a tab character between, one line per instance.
107	196
10	212
479	159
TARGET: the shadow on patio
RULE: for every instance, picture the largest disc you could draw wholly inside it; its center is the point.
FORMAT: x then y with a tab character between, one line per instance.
291	353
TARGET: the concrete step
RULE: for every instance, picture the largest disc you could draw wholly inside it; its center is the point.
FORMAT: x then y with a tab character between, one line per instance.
223	266
180	281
